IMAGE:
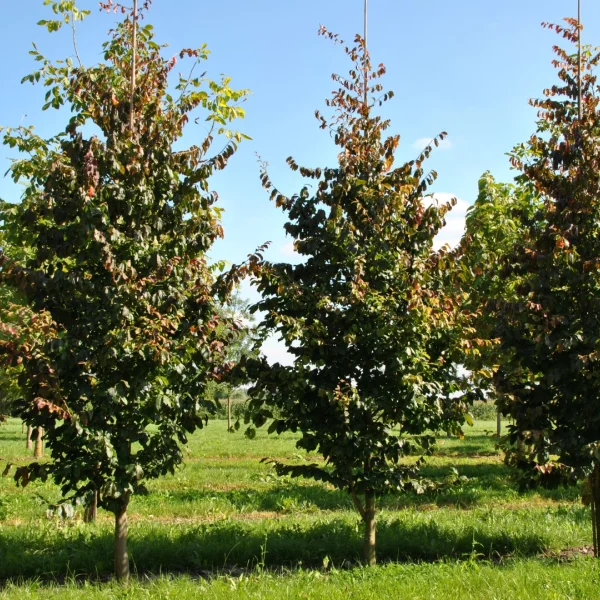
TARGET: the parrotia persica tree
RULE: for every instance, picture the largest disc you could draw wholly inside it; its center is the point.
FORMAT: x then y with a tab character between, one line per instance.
9	303
497	223
364	314
243	347
550	335
120	223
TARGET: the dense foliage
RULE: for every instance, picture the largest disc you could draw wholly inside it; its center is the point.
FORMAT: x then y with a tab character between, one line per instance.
11	306
120	224
496	225
365	314
550	331
119	337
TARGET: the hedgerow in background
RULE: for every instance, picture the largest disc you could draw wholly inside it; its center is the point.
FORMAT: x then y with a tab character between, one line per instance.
550	334
120	224
364	314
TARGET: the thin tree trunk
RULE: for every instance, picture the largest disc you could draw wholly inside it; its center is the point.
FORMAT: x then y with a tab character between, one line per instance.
91	510
29	443
370	525
229	414
498	423
520	447
38	450
595	506
121	556
23	427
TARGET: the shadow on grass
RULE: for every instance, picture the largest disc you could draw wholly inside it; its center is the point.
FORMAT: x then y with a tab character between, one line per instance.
484	482
48	552
12	436
281	497
470	445
487	482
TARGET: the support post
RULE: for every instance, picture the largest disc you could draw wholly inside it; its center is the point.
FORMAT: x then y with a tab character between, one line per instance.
366	10
579	112
133	63
229	413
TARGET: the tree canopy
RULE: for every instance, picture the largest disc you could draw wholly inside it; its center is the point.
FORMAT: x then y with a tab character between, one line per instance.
550	331
365	314
119	223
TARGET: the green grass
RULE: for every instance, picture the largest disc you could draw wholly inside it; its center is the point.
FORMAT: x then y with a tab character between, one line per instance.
225	510
524	579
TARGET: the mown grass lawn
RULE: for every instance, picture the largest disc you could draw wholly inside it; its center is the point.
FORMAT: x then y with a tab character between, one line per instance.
224	526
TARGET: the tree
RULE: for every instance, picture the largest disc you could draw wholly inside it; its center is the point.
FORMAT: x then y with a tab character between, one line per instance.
240	348
364	315
119	284
496	224
9	301
13	313
550	334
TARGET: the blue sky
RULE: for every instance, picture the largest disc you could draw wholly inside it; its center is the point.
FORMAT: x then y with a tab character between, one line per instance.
467	67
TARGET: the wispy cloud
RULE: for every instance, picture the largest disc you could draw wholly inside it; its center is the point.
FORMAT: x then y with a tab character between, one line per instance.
421	143
276	352
453	231
288	249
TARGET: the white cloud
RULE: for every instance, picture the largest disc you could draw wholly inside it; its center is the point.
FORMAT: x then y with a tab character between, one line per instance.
421	143
288	249
273	348
249	292
455	220
275	351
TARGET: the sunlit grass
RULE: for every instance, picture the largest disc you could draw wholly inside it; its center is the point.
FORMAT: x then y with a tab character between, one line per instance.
224	510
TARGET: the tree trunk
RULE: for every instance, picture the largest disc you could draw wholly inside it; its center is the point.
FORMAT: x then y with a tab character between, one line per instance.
38	450
229	414
121	556
28	443
594	482
370	524
22	426
91	510
498	423
520	447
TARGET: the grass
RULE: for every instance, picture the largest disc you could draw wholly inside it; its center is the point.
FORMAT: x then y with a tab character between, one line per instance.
224	513
523	579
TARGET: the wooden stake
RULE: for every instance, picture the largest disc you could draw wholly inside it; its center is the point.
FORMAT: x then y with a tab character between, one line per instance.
366	50
229	413
579	58
133	63
91	510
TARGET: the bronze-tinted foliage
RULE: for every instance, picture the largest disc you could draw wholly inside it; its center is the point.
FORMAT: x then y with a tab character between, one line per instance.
118	226
550	333
364	314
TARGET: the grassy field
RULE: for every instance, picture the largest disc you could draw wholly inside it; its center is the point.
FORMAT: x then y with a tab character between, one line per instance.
225	526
